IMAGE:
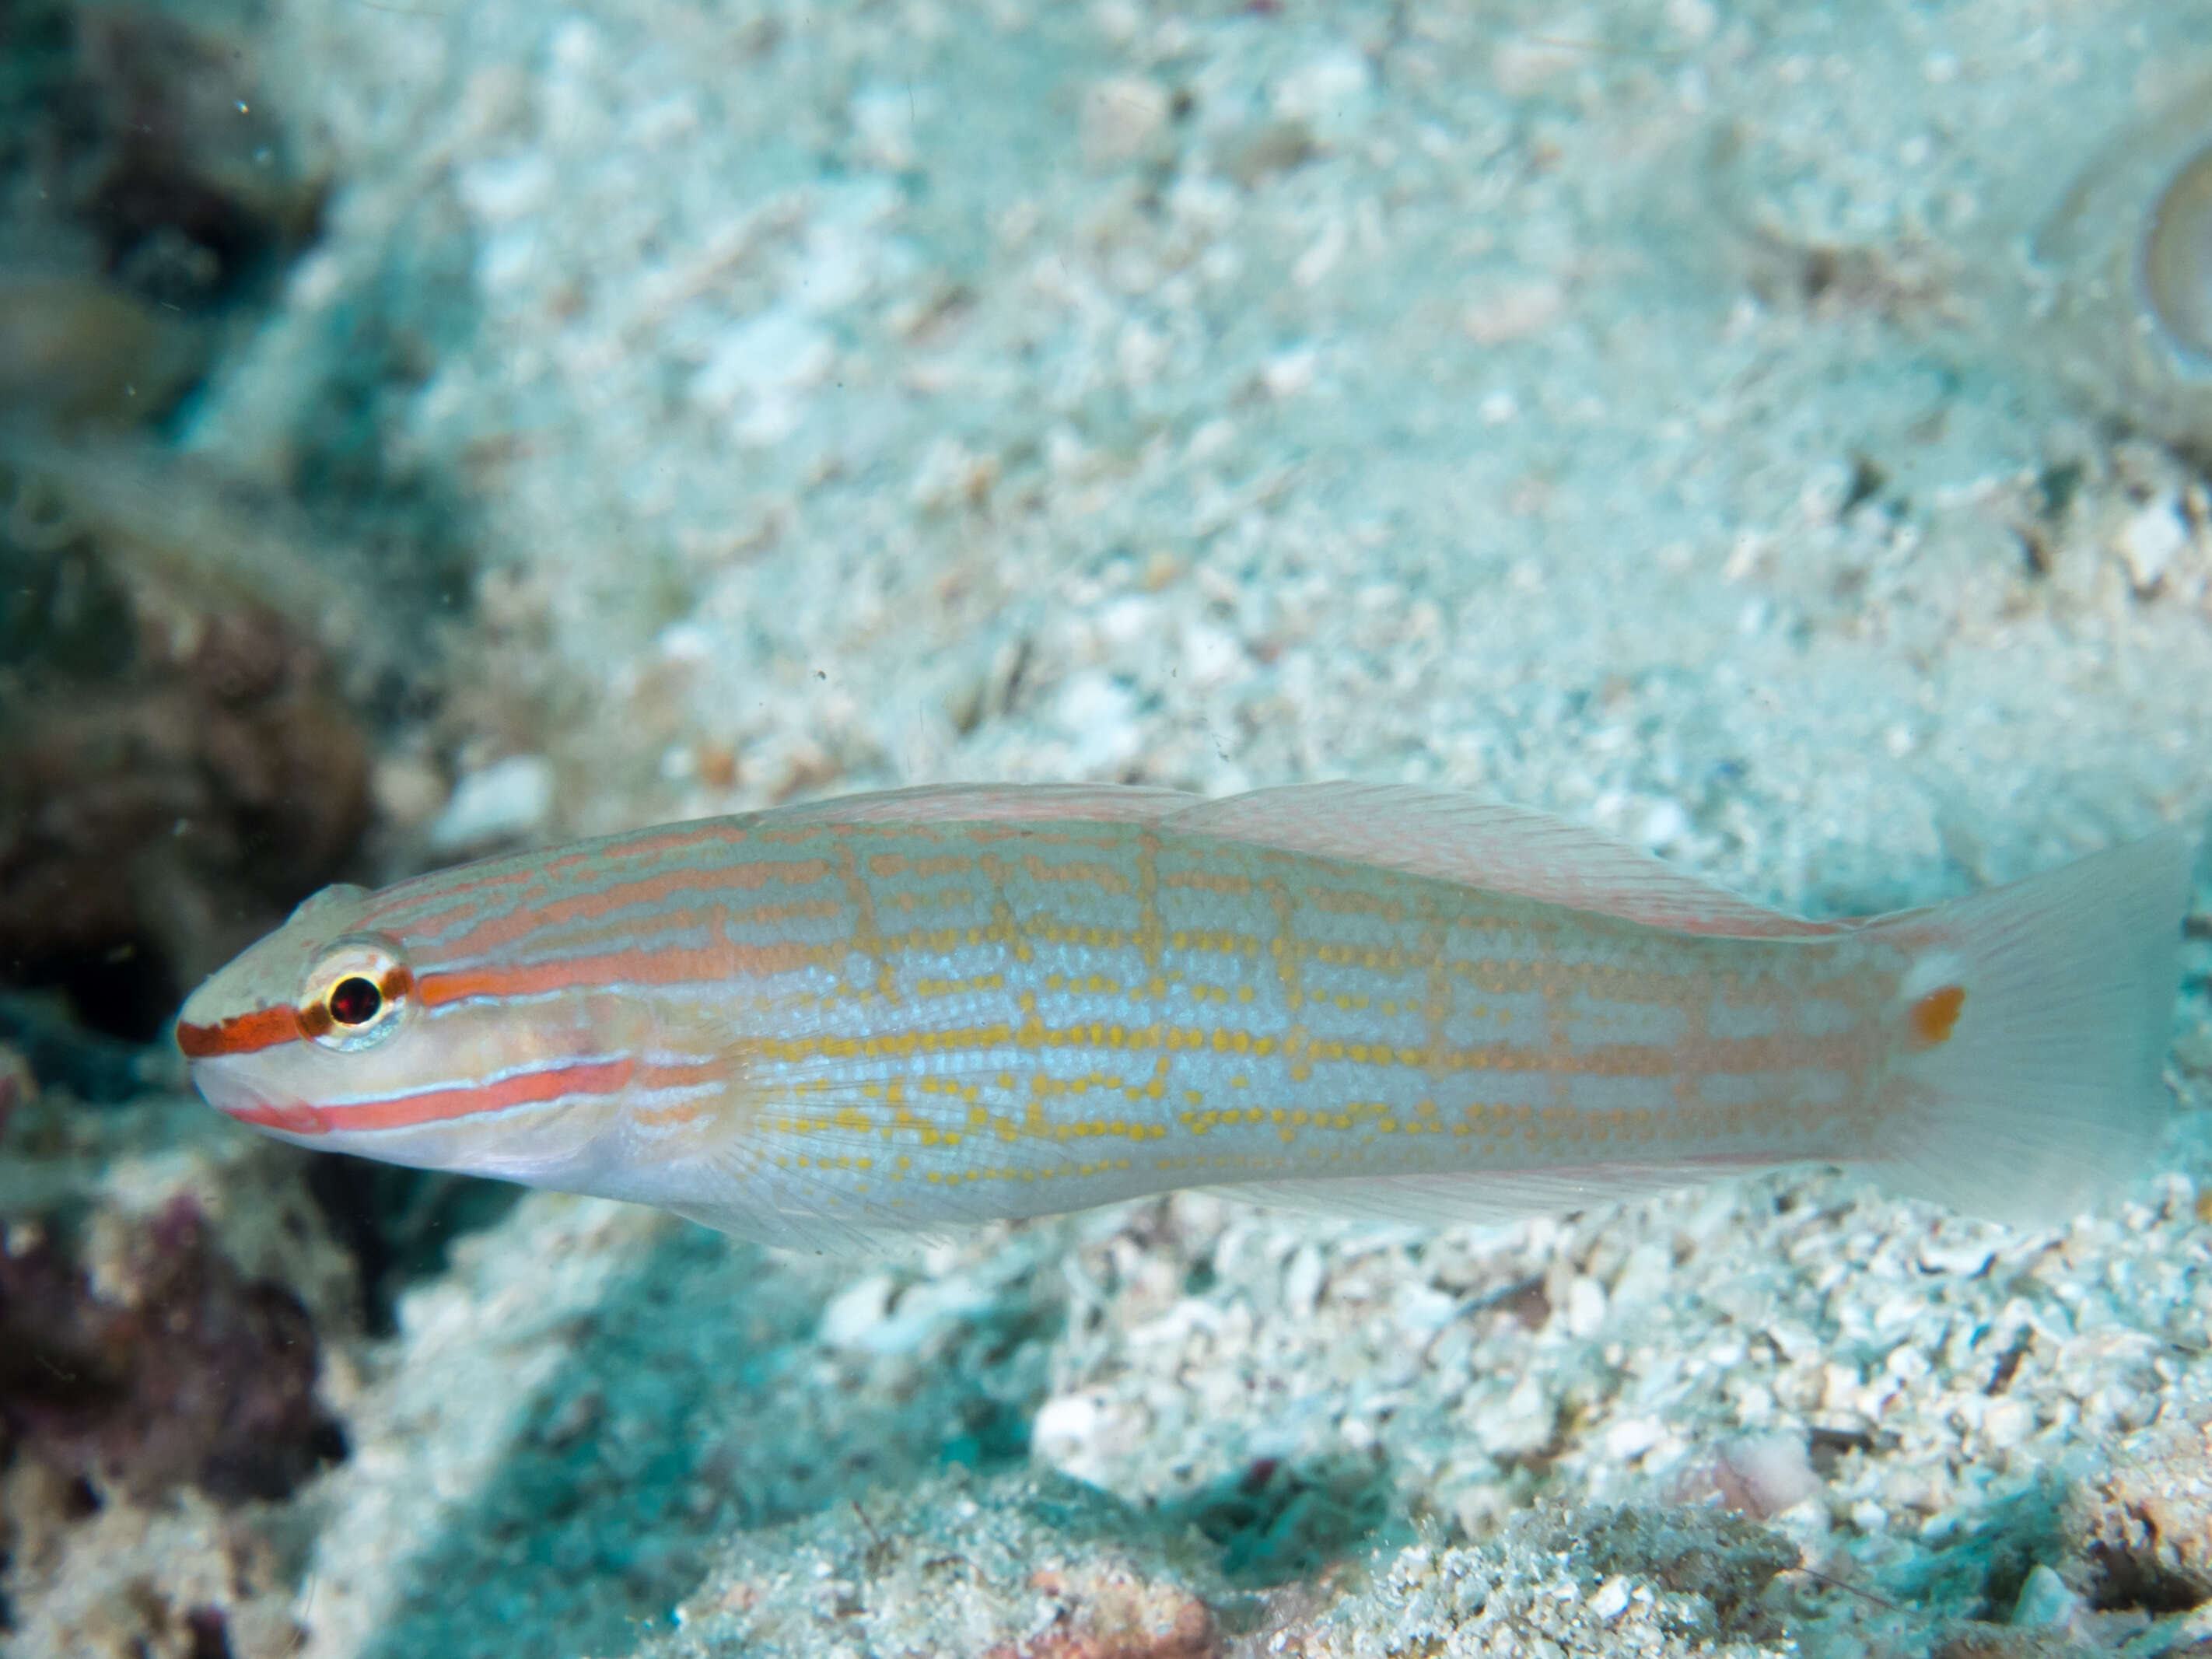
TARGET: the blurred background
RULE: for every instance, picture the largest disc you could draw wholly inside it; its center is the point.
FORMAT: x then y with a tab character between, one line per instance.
1772	433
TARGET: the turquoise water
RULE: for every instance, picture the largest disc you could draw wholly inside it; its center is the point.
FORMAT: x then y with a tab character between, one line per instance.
1770	434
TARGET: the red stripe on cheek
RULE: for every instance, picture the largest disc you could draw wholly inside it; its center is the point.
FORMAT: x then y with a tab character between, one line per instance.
604	1077
242	1033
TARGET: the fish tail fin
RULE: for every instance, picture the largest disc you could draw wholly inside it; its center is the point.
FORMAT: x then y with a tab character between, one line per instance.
2033	1020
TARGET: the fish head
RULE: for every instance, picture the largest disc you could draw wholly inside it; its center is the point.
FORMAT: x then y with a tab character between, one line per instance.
332	1032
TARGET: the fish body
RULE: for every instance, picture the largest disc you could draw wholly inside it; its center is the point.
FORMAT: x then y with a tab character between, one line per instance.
906	1011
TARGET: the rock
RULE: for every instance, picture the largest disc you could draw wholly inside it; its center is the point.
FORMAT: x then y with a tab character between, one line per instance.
2143	1529
507	800
161	1366
1021	1566
2045	1601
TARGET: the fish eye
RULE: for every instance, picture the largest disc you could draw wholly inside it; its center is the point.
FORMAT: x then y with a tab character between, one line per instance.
355	1002
357	994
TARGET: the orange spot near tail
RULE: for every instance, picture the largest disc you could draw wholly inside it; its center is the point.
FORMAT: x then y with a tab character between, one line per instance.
1935	1015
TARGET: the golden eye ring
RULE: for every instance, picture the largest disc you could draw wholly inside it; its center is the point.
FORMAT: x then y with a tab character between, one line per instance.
357	993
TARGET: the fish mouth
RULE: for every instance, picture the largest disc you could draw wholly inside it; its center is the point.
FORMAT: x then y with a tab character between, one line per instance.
235	1096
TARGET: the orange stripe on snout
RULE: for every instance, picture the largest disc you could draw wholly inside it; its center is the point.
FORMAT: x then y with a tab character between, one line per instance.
242	1033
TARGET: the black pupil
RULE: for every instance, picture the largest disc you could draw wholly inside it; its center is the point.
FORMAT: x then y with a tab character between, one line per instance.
355	1002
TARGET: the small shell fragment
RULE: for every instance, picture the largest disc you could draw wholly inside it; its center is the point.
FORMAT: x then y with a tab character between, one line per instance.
2176	258
2128	255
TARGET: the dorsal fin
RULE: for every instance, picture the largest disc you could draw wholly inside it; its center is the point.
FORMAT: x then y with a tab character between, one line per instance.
1487	844
988	803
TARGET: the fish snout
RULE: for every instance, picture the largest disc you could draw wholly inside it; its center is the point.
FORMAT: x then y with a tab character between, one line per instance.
227	1087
